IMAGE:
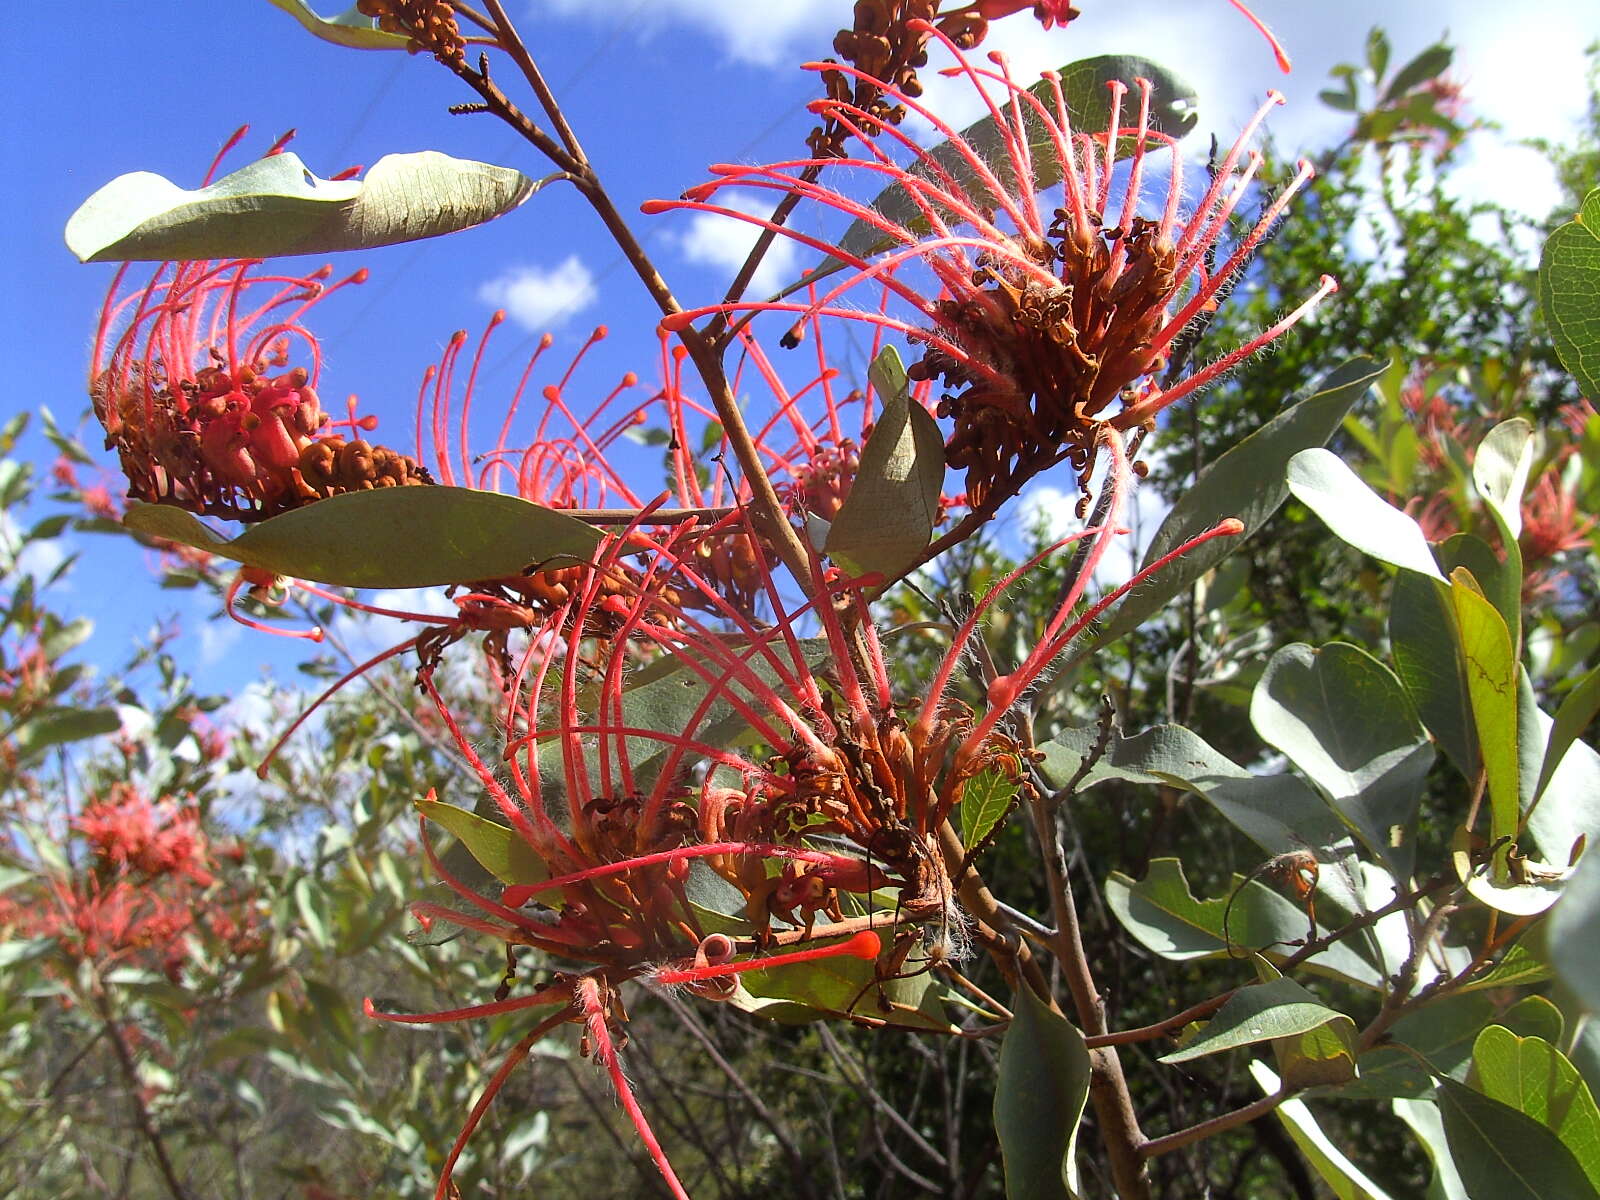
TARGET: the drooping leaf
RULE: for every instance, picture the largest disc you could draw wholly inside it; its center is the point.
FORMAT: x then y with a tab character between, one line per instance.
986	799
1492	688
1569	293
1423	1117
1328	487
1039	1096
1569	806
390	537
498	849
1163	913
1572	718
887	519
275	206
1574	931
1259	1013
1503	1154
1535	1078
1427	660
1343	1177
1345	721
1173	111
1246	483
1425	66
349	28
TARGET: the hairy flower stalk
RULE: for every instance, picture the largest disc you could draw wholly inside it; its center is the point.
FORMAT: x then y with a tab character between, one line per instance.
1043	319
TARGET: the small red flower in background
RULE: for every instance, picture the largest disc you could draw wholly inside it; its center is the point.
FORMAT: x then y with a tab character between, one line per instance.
1042	321
201	397
130	833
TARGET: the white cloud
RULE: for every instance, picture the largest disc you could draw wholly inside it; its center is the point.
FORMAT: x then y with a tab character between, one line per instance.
763	35
538	298
716	241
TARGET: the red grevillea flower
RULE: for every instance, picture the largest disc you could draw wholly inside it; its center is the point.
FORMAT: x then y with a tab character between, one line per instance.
1044	320
128	832
209	391
627	761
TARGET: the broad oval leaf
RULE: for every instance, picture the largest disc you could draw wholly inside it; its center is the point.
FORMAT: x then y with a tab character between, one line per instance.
1328	487
1344	719
498	849
1260	1013
389	537
1165	916
1039	1097
350	28
1535	1078
1574	932
1569	293
1500	472
1503	1154
1427	659
275	206
1247	483
1174	111
1572	718
887	519
57	726
1492	689
1343	1177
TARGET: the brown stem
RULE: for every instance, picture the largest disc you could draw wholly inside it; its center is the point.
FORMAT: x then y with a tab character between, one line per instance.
511	42
626	516
1148	1033
141	1113
1205	1129
1108	1089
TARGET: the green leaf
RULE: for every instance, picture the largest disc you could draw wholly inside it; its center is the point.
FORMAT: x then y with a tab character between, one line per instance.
1163	913
1423	1117
1535	1078
1569	293
1442	1033
1278	812
1343	1177
985	800
274	206
1328	487
1173	110
15	954
1260	1013
1246	483
1516	968
887	519
1430	63
1569	806
838	987
1500	472
1574	931
1427	660
1343	719
1572	718
57	726
349	28
498	849
1377	51
1492	688
1499	579
1504	1155
389	537
1039	1096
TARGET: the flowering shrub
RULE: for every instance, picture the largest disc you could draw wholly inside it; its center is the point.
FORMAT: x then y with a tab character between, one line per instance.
701	768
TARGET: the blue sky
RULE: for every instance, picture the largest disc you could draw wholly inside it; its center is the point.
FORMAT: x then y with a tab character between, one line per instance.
658	89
